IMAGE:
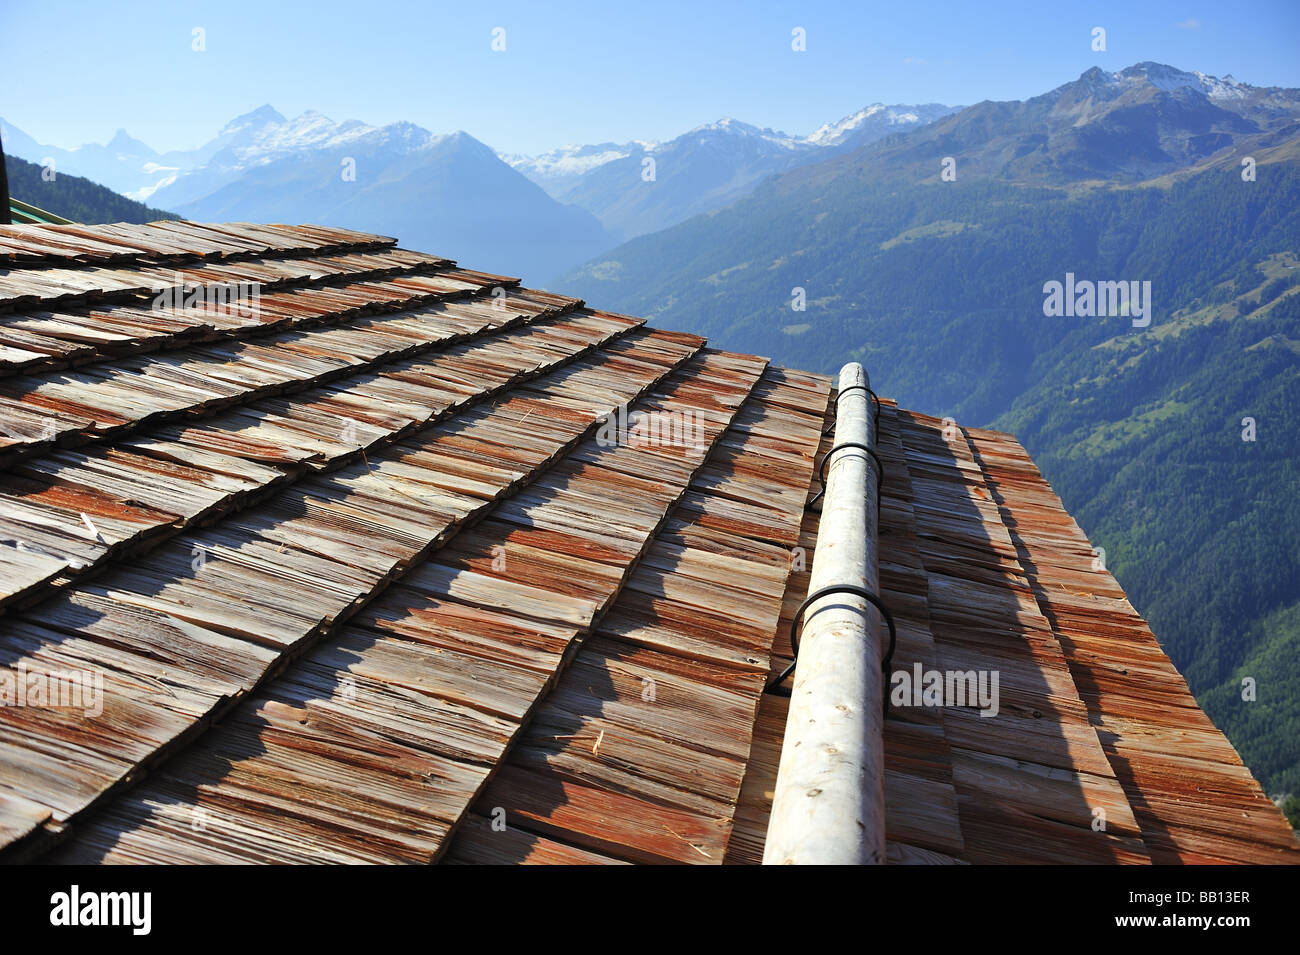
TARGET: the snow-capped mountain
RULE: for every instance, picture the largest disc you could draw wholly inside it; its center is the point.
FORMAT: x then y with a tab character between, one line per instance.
651	187
1169	78
873	122
700	170
560	169
704	168
264	136
445	194
1142	122
132	168
734	127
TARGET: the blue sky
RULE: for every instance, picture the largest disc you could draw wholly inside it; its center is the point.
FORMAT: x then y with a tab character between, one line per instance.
580	72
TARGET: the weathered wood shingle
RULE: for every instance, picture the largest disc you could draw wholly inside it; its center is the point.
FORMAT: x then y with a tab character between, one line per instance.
365	580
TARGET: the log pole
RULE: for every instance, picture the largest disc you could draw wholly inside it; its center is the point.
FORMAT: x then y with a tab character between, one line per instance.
829	805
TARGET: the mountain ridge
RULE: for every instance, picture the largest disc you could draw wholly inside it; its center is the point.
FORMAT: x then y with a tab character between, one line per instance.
702	169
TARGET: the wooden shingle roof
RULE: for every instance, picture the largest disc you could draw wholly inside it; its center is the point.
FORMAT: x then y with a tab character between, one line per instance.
364	579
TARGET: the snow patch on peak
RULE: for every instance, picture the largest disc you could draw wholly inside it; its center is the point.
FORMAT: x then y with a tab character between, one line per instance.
1167	78
1226	88
264	136
832	134
572	159
735	127
1170	79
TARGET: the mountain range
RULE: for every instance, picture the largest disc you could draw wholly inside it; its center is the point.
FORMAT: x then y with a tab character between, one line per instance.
434	191
702	169
536	215
1149	434
1103	128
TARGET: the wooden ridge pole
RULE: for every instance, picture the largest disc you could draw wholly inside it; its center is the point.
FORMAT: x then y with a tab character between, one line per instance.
829	805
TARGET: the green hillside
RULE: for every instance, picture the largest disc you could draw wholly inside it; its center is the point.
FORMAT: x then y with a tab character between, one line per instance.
75	198
938	289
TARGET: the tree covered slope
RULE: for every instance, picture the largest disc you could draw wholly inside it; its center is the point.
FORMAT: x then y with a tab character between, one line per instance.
75	198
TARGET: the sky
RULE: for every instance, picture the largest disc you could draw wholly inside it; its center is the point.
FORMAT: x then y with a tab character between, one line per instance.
583	72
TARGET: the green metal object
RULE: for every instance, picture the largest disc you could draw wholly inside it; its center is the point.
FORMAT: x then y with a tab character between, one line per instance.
23	213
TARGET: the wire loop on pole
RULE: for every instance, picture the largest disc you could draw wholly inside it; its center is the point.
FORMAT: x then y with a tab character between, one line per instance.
879	469
874	398
775	687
